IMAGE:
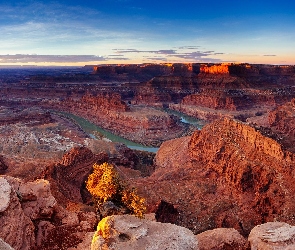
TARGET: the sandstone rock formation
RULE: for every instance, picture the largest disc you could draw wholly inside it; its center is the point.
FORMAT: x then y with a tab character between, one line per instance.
215	69
31	218
222	239
69	176
36	199
272	236
16	228
129	232
226	175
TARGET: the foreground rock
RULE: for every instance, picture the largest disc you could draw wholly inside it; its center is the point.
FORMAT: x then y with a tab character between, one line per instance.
16	227
129	232
272	236
4	245
30	217
222	239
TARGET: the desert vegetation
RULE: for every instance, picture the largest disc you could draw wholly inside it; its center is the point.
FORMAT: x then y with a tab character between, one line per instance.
105	185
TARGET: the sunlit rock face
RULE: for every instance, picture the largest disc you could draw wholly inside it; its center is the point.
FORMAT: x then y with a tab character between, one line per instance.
215	69
226	175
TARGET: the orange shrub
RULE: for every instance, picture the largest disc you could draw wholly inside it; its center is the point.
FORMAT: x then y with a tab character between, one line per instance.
104	184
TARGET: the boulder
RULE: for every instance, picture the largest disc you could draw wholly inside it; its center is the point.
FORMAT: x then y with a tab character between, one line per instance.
4	245
36	198
128	232
272	236
222	239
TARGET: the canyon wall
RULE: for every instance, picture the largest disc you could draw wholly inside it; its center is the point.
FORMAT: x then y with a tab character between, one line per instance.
215	69
226	175
145	125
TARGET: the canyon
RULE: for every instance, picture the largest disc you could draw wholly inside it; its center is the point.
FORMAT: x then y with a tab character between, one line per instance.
230	181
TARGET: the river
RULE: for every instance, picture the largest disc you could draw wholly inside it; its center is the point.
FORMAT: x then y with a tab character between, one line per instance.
92	129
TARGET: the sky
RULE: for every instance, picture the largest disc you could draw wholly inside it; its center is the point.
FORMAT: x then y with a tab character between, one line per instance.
84	32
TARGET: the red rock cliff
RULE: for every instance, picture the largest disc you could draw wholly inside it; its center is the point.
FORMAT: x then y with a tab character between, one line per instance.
226	175
215	69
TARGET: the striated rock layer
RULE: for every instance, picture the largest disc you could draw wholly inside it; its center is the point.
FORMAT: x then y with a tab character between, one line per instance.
226	175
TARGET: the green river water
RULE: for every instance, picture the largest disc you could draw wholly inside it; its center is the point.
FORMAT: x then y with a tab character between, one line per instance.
91	128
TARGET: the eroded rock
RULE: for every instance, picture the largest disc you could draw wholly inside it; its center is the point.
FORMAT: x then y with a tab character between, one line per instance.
129	232
272	236
226	175
222	239
16	227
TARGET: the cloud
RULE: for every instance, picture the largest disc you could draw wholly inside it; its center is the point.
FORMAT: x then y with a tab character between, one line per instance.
22	58
189	47
162	59
269	55
175	54
164	51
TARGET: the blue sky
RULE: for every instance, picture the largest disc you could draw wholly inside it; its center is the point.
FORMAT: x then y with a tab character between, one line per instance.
127	31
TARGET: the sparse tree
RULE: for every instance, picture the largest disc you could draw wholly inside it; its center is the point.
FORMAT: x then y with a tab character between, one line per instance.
104	184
